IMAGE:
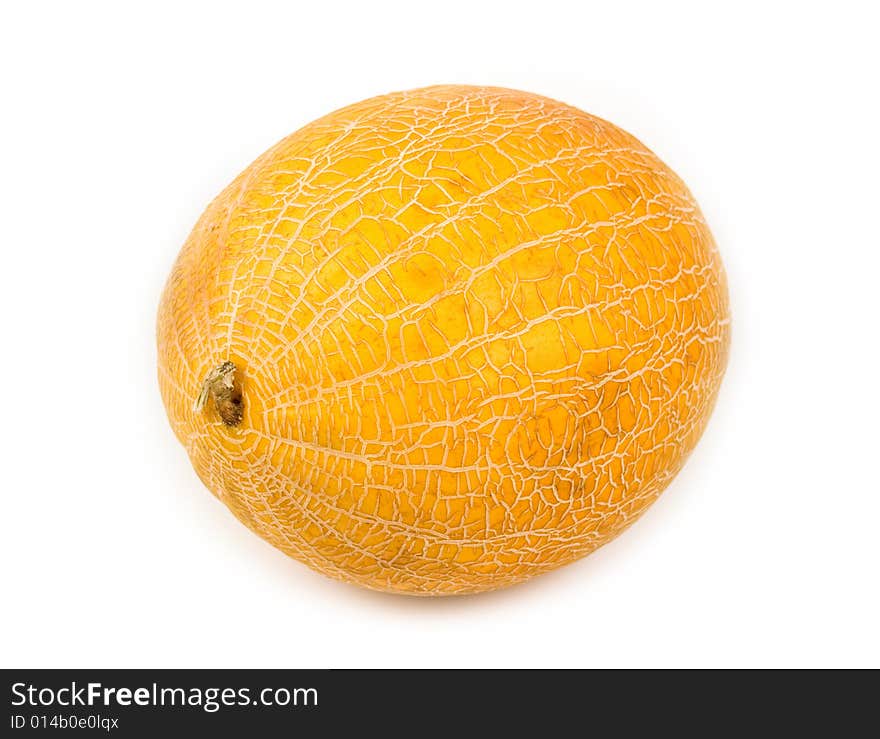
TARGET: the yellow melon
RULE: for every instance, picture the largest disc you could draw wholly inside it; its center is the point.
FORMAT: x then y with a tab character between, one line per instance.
444	340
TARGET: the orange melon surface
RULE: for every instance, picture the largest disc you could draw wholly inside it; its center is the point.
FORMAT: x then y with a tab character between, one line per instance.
475	333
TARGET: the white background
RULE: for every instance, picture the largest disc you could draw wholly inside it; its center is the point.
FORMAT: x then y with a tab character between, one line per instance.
121	123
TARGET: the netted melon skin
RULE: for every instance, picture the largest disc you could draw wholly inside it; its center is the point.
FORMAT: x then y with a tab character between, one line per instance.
477	332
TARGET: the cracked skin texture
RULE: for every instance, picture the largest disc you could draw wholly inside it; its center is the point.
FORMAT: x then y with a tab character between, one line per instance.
477	333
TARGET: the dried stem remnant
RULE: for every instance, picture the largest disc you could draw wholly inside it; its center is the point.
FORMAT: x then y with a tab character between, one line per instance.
222	386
